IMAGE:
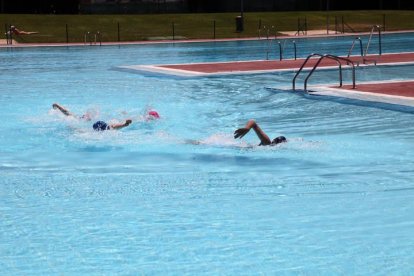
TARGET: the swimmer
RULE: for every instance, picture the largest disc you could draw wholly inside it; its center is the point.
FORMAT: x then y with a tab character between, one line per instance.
149	115
152	115
101	125
87	116
264	139
16	31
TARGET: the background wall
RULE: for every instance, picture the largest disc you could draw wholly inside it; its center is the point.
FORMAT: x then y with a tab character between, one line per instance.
186	6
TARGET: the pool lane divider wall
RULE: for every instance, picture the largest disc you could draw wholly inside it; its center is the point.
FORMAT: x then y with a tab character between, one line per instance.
390	95
257	66
385	92
381	93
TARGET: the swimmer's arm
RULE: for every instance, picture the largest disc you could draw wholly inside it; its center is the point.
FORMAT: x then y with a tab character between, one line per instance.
119	126
62	109
20	32
264	139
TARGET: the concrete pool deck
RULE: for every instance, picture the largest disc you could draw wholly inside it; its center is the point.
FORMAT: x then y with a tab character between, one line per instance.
392	92
388	92
262	66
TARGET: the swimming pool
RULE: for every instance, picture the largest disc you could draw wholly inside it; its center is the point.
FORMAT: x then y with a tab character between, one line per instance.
337	198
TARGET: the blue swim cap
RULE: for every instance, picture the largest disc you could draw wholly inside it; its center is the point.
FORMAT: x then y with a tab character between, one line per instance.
100	126
278	140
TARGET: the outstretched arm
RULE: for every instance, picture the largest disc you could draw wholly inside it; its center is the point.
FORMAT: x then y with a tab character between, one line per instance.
264	139
119	126
20	32
62	109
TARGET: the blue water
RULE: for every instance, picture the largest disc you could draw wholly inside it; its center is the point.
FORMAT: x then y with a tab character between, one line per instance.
336	199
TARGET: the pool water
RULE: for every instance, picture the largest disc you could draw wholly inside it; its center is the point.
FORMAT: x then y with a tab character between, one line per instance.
337	198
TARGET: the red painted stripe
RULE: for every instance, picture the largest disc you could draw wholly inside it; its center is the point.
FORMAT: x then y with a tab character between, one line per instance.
405	89
246	66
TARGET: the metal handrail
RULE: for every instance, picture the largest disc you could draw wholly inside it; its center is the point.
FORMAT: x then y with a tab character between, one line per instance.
321	57
92	39
305	86
378	28
87	38
281	50
301	68
294	49
98	36
353	45
281	46
338	60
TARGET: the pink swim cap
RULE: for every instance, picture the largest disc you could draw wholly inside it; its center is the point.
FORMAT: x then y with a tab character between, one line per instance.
154	114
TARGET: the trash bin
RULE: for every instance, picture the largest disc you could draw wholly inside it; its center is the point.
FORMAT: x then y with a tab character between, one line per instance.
239	23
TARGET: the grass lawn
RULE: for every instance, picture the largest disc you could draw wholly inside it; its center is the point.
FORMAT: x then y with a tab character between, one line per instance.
52	28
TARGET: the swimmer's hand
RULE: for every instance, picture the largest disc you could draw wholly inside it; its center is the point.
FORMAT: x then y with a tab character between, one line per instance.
239	133
62	109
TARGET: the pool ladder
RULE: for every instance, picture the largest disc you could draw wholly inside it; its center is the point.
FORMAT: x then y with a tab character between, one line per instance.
93	39
365	53
338	60
281	46
378	28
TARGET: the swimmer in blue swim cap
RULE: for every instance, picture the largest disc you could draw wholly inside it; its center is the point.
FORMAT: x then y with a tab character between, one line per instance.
101	125
264	139
98	126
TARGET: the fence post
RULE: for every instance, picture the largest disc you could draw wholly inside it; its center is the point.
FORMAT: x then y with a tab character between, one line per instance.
10	34
173	31
327	24
336	24
119	35
7	34
214	29
379	41
67	34
306	26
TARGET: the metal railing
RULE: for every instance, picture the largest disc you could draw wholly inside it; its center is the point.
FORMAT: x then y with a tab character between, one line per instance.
269	40
267	32
294	49
321	57
302	27
378	28
281	46
353	45
93	39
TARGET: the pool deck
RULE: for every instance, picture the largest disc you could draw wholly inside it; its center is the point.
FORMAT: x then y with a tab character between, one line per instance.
262	66
389	92
392	92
